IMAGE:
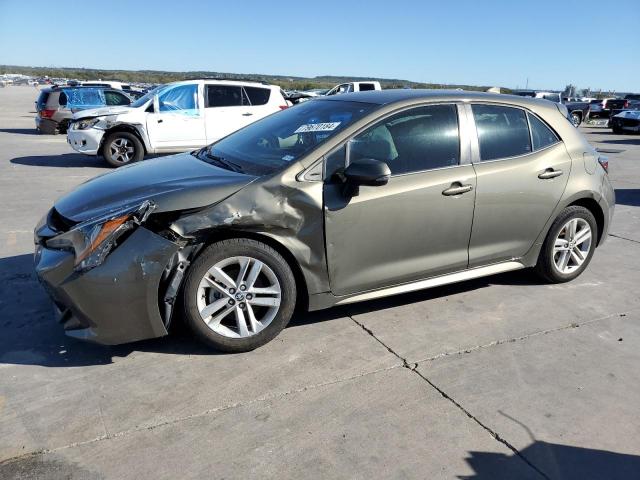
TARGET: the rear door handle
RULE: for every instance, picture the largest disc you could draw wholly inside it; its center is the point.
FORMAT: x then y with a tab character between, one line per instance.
160	120
457	188
550	173
247	114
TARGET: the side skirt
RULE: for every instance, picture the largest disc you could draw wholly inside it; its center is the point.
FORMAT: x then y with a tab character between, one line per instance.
326	300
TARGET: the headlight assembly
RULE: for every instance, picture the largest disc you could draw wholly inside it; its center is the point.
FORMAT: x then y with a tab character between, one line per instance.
92	240
85	124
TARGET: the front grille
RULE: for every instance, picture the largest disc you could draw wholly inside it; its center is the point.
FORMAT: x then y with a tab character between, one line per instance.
59	223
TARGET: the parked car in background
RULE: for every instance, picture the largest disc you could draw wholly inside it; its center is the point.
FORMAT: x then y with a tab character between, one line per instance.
175	117
628	120
600	108
577	111
337	200
352	87
56	105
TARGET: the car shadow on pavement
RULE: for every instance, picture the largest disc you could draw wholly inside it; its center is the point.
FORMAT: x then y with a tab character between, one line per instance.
552	460
30	334
555	461
20	131
628	196
65	160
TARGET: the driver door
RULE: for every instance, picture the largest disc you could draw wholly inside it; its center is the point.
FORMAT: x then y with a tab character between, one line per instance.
177	122
413	227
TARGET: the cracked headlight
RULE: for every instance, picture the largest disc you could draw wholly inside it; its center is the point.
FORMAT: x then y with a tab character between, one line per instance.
92	240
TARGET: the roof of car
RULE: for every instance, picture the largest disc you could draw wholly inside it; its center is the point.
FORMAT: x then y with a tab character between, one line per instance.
224	82
384	97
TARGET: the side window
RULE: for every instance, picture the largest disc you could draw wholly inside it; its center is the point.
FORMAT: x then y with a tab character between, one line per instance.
115	98
62	99
502	131
258	96
541	134
180	99
224	96
419	139
365	87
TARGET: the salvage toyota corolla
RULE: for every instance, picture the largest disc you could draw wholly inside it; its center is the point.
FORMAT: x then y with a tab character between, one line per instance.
336	200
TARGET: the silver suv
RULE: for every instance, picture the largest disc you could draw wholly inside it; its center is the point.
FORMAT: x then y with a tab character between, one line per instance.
56	105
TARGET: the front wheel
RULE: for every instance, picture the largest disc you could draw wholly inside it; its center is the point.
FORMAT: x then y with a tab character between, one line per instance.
122	148
239	294
569	245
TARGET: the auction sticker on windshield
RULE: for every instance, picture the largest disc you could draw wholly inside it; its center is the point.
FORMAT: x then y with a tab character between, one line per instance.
317	127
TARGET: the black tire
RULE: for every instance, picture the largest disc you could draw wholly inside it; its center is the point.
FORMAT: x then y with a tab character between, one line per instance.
576	119
127	156
617	130
230	248
545	267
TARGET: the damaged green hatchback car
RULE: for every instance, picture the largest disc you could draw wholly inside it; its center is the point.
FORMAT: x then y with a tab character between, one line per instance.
335	200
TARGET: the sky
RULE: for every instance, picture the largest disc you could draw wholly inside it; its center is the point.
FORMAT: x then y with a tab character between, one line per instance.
549	44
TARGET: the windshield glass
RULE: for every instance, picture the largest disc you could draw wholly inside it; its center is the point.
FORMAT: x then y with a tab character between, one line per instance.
274	142
146	97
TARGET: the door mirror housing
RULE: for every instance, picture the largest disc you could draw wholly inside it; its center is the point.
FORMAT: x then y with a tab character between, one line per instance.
367	171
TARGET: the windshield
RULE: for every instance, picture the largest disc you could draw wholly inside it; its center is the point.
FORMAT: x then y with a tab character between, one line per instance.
274	142
146	97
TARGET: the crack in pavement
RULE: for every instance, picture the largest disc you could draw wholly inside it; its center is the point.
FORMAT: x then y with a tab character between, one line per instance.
413	368
211	411
525	337
624	238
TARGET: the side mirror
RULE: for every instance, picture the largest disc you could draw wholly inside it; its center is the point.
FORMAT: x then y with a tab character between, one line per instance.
367	171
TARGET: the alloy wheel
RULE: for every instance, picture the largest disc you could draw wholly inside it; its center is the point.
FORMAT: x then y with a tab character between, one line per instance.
121	150
572	245
238	297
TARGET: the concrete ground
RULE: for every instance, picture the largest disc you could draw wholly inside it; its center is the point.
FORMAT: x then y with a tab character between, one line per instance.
503	377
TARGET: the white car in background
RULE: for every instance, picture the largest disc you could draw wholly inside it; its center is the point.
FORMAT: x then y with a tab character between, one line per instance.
176	117
350	87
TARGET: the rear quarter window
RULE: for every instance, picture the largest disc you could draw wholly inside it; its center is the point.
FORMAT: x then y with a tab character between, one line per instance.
541	134
257	95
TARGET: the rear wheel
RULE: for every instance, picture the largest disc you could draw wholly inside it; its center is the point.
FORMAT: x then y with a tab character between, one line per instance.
569	245
239	294
121	148
617	130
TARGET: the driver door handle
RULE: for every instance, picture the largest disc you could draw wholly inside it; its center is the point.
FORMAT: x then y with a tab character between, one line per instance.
248	114
457	188
160	120
550	173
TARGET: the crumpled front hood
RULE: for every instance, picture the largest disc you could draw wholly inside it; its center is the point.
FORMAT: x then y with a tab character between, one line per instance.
177	182
101	112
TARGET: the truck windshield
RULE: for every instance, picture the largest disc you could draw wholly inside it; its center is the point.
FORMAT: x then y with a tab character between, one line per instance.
284	137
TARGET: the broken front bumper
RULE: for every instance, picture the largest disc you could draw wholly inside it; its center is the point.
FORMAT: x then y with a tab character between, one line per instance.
85	141
115	302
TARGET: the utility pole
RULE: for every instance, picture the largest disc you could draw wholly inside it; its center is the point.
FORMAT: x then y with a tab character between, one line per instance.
527	87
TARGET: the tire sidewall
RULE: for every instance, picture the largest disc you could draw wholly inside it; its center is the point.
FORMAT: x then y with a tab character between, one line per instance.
138	153
561	221
225	249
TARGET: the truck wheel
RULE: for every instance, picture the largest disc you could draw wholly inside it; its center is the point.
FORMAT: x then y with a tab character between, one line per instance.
617	130
122	148
576	119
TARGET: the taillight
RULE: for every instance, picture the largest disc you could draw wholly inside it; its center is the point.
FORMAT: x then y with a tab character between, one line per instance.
47	113
284	107
626	103
604	163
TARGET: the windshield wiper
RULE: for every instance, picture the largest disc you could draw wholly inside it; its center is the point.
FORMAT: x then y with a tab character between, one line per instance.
221	161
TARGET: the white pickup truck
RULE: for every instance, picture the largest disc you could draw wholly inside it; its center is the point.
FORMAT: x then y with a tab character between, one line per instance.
354	87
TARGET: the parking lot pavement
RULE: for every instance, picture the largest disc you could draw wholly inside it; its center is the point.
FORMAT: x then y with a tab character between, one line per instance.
503	377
